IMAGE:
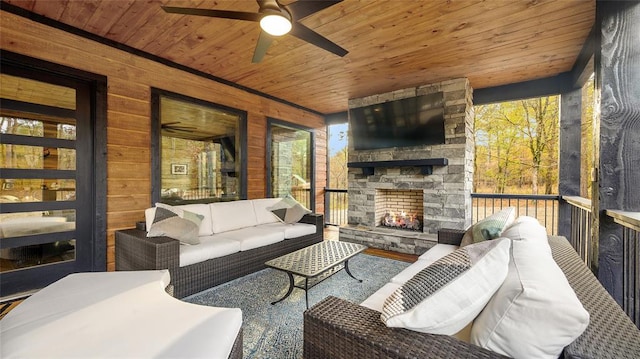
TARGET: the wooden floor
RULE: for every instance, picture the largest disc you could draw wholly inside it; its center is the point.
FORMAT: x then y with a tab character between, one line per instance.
330	233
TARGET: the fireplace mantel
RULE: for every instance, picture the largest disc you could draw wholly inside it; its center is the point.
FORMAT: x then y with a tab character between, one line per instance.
425	165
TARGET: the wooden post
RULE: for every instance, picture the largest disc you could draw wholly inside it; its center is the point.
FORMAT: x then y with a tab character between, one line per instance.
569	166
617	160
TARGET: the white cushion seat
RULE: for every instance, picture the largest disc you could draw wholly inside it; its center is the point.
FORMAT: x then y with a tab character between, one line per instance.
210	247
254	237
116	315
293	230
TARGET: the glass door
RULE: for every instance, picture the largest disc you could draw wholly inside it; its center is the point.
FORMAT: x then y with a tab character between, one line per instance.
290	162
46	197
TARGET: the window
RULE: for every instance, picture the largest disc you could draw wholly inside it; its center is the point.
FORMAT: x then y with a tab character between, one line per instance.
200	150
290	162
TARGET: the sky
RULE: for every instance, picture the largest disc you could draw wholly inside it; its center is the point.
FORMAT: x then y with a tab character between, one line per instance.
335	143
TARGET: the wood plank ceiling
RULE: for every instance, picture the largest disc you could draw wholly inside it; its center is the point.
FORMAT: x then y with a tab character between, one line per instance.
392	44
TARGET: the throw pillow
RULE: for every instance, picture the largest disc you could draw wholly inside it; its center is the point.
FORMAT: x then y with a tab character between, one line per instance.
168	223
490	227
445	296
288	210
193	217
535	313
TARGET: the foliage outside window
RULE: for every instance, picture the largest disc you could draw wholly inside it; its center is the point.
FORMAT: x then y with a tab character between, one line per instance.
338	156
517	146
200	152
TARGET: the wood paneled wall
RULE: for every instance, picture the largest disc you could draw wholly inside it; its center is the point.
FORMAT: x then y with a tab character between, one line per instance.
130	79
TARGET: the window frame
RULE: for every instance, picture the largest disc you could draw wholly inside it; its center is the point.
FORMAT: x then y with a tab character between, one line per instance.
156	148
312	163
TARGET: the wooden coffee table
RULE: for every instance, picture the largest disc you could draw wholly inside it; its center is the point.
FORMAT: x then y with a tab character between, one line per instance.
314	264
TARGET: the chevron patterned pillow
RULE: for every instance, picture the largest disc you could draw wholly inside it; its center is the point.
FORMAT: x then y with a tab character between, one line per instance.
447	295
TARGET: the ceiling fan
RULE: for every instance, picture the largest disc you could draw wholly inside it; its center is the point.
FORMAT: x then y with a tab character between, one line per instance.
275	20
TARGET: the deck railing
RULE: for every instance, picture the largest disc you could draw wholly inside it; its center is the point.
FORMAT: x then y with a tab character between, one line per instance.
580	237
542	207
336	206
630	223
302	195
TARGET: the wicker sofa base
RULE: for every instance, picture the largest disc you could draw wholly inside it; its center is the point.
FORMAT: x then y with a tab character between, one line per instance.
335	328
134	251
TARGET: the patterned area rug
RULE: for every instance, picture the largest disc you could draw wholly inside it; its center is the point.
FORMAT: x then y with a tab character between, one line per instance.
275	331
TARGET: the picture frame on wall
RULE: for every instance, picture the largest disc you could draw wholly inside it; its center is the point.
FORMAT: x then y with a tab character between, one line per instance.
179	169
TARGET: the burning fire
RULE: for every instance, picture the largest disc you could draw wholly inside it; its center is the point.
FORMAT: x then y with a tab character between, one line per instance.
402	220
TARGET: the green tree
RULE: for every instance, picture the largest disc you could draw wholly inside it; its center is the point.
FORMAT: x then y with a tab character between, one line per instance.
517	145
338	170
587	144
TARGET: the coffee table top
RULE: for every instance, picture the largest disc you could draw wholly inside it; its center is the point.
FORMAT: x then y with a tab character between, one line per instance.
315	259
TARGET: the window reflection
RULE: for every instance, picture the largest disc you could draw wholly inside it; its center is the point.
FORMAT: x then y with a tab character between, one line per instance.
291	163
200	152
34	255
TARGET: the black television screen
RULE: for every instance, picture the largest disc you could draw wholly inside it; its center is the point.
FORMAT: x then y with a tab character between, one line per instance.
407	122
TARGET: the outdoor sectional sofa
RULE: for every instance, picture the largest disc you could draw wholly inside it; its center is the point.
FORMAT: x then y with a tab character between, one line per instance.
236	239
336	328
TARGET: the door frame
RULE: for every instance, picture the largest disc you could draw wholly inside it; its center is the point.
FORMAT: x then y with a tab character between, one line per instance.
96	86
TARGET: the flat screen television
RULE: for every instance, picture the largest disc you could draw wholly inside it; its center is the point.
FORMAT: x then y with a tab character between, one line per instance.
414	121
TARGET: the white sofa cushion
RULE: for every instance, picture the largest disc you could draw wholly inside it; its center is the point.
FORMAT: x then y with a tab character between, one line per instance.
263	215
292	231
254	237
535	313
229	216
436	252
210	247
444	297
116	315
197	208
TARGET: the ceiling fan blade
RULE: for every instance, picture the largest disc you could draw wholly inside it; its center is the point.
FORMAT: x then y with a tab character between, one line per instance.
304	33
264	41
303	8
235	15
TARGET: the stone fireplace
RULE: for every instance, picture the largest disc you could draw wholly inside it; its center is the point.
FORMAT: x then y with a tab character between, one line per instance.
429	183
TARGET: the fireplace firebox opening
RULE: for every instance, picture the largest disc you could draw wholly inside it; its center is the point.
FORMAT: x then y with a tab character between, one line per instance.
400	209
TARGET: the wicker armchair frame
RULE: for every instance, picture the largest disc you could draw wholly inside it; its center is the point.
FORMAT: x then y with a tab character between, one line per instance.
134	251
335	328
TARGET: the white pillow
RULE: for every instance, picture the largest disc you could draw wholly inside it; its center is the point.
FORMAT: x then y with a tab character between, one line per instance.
526	228
445	296
535	313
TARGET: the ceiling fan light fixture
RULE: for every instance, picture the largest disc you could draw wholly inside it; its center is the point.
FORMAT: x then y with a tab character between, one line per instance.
275	23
